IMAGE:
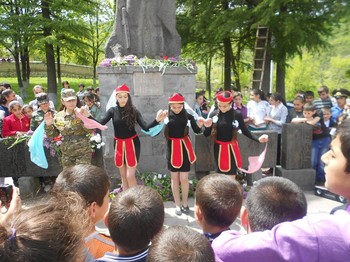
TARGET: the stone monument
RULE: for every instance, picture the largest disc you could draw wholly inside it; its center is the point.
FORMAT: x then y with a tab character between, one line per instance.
144	28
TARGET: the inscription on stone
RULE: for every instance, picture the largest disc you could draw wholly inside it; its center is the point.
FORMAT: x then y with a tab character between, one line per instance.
148	84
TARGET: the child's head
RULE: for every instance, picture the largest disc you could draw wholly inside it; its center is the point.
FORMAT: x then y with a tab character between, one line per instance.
238	98
257	95
37	89
298	103
337	161
7	96
326	112
309	110
65	84
89	99
15	108
309	96
323	92
176	103
43	101
218	201
135	216
224	101
81	87
271	201
180	243
50	231
27	110
89	181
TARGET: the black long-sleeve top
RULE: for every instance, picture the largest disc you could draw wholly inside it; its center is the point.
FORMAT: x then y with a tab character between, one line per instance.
178	122
228	121
121	129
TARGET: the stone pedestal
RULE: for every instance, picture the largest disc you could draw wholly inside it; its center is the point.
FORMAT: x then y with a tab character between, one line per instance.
149	90
296	146
304	178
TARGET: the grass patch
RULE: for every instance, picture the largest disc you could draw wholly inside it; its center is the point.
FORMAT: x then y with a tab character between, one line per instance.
74	82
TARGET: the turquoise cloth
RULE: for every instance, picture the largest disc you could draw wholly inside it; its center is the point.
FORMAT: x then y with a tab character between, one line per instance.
36	147
153	131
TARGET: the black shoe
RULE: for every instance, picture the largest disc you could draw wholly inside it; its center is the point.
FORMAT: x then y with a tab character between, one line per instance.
185	210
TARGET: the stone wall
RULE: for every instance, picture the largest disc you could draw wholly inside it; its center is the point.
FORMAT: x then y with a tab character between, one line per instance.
149	90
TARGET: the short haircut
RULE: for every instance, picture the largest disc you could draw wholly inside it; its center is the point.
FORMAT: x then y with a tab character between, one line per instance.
326	108
343	131
274	200
40	87
309	107
53	230
135	216
323	89
300	98
180	243
90	181
219	198
309	93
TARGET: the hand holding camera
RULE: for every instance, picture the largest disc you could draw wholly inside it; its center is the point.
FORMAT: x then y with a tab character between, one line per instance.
10	199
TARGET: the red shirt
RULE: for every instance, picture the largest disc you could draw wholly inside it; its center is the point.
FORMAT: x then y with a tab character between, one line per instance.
12	124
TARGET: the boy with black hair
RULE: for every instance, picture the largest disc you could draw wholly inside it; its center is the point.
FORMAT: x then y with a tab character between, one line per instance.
271	201
180	243
309	96
135	216
217	204
92	183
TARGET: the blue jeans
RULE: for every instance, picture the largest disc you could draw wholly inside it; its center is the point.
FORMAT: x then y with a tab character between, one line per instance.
319	147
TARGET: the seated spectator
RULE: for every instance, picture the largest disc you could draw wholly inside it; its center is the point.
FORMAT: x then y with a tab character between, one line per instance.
38	89
81	92
297	110
271	201
50	231
217	204
179	243
92	184
43	106
8	87
135	216
27	110
238	105
89	100
16	123
313	238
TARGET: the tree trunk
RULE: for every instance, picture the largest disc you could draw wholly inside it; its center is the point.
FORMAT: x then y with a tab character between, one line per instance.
280	77
59	74
208	76
227	63
50	55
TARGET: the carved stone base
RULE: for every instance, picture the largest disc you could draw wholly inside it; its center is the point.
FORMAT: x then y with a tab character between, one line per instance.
304	178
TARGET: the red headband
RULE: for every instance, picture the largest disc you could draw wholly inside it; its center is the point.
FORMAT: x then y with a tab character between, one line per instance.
122	88
176	99
220	97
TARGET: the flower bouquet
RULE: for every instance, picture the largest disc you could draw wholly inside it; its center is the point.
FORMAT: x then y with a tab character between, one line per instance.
96	142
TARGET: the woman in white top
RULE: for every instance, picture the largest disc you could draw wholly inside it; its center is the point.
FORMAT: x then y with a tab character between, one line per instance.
276	118
258	109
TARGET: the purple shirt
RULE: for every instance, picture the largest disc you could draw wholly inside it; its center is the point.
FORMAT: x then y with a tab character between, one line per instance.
311	239
243	109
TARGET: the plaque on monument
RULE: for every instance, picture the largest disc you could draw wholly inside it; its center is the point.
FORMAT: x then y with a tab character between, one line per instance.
148	84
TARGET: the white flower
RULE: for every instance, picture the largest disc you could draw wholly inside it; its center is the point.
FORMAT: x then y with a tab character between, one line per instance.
160	176
102	143
98	138
98	146
215	119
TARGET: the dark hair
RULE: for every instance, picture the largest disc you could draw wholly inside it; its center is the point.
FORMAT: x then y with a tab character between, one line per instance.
182	112
90	96
179	243
299	98
323	89
260	93
6	85
90	181
278	97
343	131
274	200
129	113
309	107
50	231
65	82
219	198
309	93
198	94
135	216
5	93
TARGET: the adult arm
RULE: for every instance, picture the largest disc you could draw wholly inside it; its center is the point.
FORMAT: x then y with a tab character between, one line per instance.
143	124
316	238
194	124
242	126
107	116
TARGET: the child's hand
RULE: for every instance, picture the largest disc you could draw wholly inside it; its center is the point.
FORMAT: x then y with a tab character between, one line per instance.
200	122
264	138
48	118
13	207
